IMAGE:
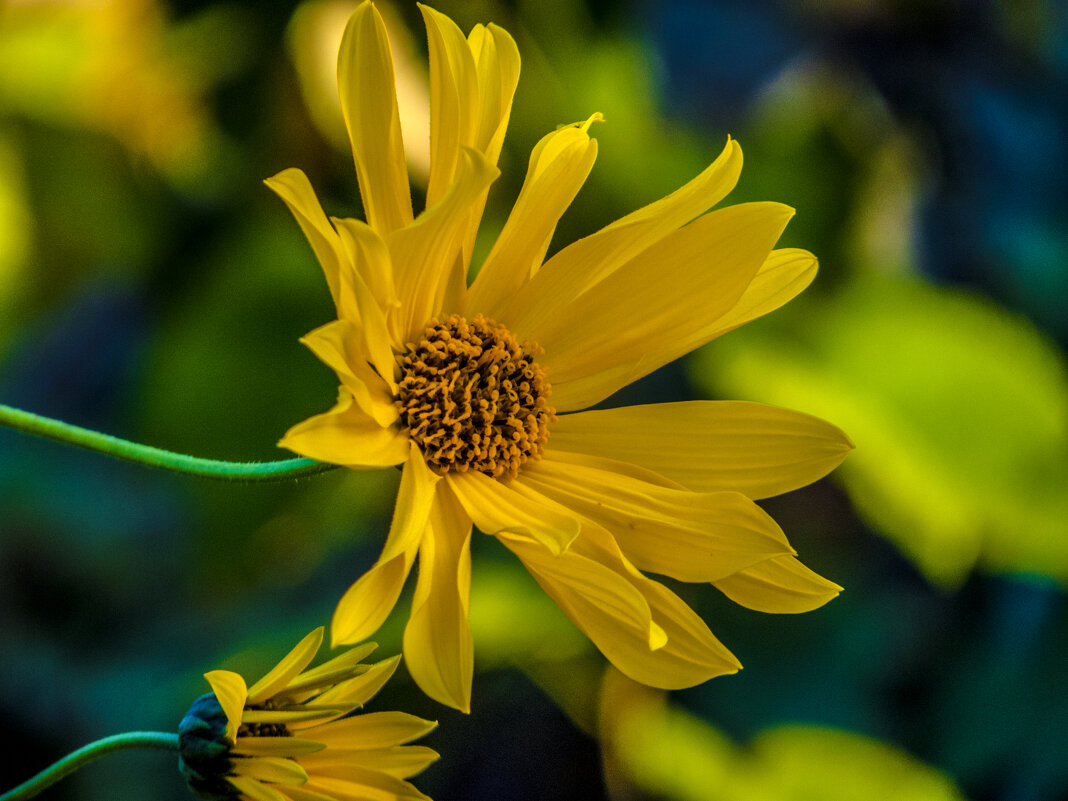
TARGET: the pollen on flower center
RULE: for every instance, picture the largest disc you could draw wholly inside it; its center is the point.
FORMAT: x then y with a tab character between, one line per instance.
472	398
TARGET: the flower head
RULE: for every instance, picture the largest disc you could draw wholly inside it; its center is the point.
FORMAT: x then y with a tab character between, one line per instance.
291	737
478	390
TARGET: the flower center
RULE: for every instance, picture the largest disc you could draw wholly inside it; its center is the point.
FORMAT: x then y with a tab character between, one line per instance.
472	398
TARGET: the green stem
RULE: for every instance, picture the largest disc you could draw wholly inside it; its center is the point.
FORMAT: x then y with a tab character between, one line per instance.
86	754
30	423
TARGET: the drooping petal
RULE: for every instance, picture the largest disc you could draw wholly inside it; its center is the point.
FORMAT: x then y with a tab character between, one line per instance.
497	507
583	264
231	692
294	188
338	345
281	674
370	256
691	654
708	446
559	165
347	436
427	254
437	640
367	603
603	604
781	584
630	323
369	106
686	535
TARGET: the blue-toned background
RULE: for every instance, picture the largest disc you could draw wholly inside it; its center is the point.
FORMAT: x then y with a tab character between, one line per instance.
151	287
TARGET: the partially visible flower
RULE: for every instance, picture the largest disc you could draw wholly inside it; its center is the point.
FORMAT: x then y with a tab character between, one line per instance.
291	737
479	391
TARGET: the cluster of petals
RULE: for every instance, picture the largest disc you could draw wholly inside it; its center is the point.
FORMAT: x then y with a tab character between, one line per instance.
292	736
615	494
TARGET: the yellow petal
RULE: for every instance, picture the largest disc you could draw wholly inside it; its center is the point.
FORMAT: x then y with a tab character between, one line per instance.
630	323
254	789
230	691
367	603
781	584
686	535
782	276
301	715
361	784
427	255
293	663
559	165
497	507
688	653
338	345
372	263
374	730
331	671
369	106
600	601
293	186
358	690
345	435
497	64
437	640
302	793
454	100
400	761
270	769
751	448
276	746
590	260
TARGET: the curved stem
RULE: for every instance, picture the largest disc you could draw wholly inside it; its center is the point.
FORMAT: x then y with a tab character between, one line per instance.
86	754
30	423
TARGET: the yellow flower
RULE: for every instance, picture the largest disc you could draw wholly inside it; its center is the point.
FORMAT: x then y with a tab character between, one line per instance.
290	737
477	390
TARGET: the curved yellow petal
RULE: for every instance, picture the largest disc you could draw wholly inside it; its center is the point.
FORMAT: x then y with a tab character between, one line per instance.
374	730
328	673
687	535
368	95
497	65
358	690
707	446
559	165
691	654
338	345
497	507
296	191
785	273
230	692
583	264
427	255
302	793
604	604
400	761
370	256
345	435
362	784
630	323
254	789
781	584
293	663
438	648
454	100
368	602
276	770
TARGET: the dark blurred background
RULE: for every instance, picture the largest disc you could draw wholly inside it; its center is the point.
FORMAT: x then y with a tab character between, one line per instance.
151	287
